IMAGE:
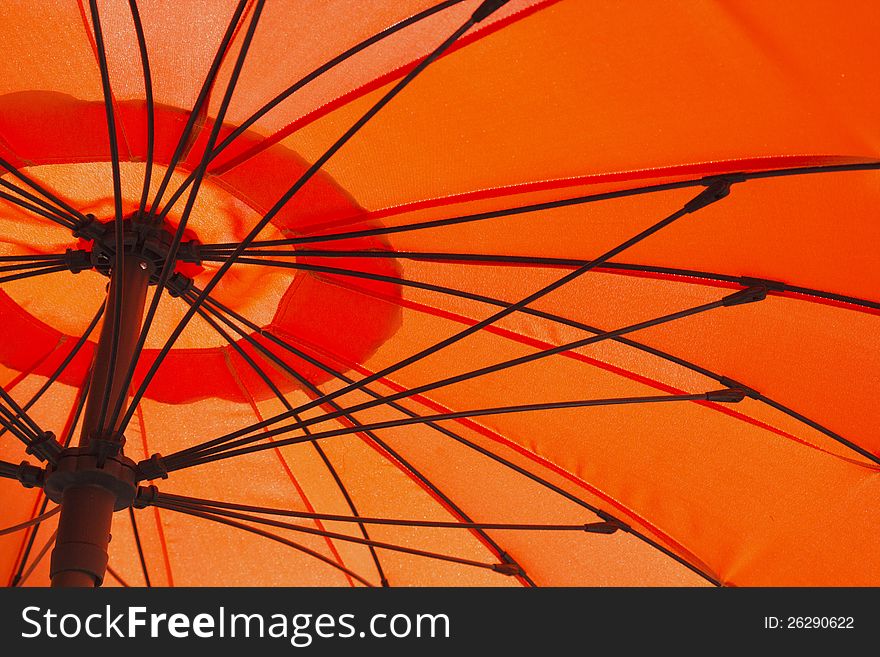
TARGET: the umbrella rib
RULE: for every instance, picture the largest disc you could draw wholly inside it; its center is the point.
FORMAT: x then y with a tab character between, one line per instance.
278	394
5	531
548	205
302	82
280	364
254	530
72	421
197	107
66	361
317	165
8	470
394	522
9	425
29	265
244	445
148	95
460	439
250	255
171	259
60	216
49	269
117	208
32	257
140	549
50	214
17	416
42	190
36	562
116	576
180	506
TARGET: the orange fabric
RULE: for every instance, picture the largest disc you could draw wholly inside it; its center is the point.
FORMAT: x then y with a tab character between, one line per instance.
547	100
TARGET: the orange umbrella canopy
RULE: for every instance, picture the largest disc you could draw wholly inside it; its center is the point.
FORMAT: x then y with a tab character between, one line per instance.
544	292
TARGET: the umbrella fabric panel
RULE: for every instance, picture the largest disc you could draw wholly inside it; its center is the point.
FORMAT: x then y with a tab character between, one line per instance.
287	47
266	480
492	492
381	486
42	30
822	382
563	111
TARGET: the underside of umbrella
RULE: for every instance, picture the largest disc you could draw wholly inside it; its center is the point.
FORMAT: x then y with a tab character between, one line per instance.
500	293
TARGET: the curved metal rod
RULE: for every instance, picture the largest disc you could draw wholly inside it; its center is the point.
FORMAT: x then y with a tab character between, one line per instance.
250	255
274	537
117	209
29	523
396	522
148	95
179	506
558	203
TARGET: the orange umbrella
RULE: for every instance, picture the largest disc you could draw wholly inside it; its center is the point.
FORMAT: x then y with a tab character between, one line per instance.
504	293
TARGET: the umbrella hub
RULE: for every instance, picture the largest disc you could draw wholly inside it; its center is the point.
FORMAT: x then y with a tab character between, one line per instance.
146	239
99	464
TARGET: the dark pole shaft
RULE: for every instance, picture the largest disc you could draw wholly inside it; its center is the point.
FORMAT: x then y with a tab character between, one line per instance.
87	511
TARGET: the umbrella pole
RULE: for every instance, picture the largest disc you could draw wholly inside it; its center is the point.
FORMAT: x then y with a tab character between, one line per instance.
80	555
